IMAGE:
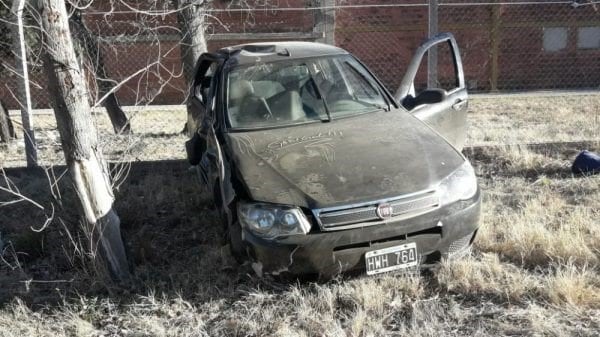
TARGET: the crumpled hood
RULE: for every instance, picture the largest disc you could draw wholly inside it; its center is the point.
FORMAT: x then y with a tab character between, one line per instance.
362	158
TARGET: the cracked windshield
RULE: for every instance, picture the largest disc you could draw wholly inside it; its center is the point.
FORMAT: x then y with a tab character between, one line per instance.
283	93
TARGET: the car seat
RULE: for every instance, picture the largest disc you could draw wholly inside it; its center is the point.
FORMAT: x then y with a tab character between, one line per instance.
287	106
244	105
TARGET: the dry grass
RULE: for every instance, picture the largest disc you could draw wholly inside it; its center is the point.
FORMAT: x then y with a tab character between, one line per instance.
535	270
542	227
157	136
573	286
488	276
517	120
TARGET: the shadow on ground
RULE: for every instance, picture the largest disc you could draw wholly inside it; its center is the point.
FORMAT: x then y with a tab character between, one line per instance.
174	242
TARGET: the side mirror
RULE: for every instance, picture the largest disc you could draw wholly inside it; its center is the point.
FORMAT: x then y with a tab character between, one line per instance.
428	96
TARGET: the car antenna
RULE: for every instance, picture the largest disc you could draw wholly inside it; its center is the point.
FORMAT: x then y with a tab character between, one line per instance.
319	93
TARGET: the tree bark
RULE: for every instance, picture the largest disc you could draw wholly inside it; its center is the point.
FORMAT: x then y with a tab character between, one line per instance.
87	48
79	139
190	16
7	132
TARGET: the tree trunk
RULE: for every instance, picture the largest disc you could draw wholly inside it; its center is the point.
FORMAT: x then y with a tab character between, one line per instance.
7	132
87	47
190	16
79	138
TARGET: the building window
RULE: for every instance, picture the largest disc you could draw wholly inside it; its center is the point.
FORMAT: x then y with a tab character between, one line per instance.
588	38
555	38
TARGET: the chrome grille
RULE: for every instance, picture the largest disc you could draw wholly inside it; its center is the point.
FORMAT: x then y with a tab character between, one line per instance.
349	216
366	214
401	207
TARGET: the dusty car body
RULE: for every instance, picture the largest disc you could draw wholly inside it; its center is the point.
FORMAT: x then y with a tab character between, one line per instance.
316	168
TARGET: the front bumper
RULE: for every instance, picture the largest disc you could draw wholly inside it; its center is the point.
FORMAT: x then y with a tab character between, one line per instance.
439	233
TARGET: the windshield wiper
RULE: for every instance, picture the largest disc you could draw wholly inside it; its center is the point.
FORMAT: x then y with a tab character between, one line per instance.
319	93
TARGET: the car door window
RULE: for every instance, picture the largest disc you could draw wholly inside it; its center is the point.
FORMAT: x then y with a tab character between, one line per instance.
199	99
203	81
441	102
425	90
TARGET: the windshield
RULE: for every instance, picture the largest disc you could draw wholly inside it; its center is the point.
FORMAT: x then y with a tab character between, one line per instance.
300	91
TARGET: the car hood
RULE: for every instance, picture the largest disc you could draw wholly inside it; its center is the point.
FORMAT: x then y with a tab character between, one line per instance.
361	158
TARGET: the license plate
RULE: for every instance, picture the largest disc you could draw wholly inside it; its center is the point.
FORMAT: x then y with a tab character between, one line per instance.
391	258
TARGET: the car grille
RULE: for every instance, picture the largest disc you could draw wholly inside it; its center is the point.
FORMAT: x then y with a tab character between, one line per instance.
366	214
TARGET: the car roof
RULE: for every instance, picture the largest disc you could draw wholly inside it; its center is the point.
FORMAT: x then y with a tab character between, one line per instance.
251	53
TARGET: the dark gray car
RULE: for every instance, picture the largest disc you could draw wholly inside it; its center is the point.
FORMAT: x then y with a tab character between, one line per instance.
317	168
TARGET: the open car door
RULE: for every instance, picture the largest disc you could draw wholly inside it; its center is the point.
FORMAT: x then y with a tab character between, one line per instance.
444	106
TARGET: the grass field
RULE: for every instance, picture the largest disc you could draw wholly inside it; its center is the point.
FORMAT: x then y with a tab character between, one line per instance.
535	268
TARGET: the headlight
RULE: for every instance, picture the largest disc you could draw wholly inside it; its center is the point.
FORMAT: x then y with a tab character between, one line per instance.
271	221
459	185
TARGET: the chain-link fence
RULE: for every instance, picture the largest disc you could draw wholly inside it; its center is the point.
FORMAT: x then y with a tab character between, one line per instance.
505	46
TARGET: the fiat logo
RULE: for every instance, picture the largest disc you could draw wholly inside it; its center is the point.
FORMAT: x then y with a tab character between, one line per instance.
385	211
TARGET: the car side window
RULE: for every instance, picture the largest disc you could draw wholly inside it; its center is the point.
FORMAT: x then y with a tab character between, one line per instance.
203	81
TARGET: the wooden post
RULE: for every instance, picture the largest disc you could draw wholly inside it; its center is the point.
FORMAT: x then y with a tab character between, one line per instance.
7	132
79	139
24	93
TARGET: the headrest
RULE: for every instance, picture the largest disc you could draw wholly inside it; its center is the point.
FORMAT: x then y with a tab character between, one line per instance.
240	89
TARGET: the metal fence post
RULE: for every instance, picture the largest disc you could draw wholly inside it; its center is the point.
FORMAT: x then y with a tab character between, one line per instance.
495	46
24	93
325	21
432	58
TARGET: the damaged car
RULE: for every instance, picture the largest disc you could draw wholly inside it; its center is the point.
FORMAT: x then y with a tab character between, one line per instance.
316	168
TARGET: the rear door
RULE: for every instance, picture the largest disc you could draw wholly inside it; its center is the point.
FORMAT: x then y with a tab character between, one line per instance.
443	104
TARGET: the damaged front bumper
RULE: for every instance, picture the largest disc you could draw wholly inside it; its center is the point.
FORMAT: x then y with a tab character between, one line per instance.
445	232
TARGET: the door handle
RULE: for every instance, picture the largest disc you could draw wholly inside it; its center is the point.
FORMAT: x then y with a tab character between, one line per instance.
459	104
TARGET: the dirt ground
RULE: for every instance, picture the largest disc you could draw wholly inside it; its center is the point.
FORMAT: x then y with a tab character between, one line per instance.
535	268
